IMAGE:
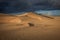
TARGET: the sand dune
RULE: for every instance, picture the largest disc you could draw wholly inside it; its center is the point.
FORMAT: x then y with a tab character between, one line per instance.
29	26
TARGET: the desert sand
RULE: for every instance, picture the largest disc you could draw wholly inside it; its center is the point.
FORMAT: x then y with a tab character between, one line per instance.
29	26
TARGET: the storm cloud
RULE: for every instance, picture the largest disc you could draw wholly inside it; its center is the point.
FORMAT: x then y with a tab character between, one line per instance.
14	6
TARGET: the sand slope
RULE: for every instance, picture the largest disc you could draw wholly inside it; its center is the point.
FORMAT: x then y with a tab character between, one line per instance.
29	26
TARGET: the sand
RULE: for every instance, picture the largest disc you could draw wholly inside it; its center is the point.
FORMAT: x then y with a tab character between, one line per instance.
29	27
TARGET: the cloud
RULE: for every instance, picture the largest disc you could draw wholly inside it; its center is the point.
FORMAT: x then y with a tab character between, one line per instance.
14	6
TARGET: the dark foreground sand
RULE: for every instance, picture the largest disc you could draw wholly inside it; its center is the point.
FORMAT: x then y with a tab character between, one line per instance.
47	29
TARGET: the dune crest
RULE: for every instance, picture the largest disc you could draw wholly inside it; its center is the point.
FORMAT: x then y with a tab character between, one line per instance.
22	18
9	19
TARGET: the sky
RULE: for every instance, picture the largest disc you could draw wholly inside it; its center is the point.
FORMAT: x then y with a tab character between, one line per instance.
49	12
50	7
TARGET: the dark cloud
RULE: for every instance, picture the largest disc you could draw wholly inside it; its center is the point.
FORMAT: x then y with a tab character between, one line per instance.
14	6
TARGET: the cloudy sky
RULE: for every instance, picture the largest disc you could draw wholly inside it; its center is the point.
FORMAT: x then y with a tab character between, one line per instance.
42	6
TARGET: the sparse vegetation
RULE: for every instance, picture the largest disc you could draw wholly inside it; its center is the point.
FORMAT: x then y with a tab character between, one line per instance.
31	24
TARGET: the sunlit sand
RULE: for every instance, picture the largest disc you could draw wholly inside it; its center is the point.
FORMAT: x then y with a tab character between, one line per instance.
29	26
